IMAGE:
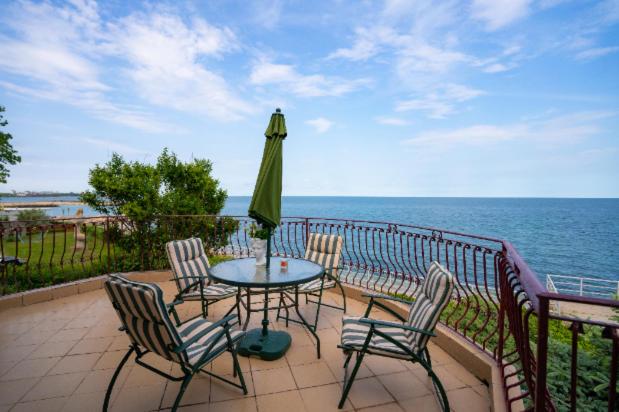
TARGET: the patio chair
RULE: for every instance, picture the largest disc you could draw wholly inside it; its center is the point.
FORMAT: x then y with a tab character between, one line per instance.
407	340
192	345
189	266
324	249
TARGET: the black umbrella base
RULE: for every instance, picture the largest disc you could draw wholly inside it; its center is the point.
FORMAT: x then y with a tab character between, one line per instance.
270	347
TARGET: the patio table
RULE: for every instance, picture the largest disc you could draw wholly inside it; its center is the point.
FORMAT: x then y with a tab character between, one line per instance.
243	273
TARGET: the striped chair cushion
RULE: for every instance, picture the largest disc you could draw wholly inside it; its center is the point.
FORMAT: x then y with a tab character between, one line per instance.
142	312
354	334
187	258
429	303
213	291
197	349
315	285
325	250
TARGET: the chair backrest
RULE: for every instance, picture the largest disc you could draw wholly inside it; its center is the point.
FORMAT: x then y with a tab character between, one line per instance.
187	258
324	249
143	313
430	301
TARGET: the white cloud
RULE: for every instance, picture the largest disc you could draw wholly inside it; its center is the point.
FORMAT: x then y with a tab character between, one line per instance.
165	58
266	73
496	68
441	103
392	121
419	41
596	52
54	48
320	124
57	52
499	13
574	126
421	57
367	43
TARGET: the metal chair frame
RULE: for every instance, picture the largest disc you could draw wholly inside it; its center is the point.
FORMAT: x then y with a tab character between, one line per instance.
319	303
422	357
188	372
204	302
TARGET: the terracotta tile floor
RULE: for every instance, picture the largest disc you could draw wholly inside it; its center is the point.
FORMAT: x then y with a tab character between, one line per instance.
60	356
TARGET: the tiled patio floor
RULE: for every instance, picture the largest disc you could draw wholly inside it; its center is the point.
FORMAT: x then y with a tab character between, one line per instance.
60	356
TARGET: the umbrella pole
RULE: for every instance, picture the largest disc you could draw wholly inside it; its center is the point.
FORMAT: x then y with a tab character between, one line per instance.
268	247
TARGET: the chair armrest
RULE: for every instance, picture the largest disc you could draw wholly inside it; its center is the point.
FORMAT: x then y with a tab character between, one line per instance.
220	323
387	297
172	304
192	285
192	277
376	322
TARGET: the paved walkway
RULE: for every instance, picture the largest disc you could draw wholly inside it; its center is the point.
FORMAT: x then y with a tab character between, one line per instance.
60	356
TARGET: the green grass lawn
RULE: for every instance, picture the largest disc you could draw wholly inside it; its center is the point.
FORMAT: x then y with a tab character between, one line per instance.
54	257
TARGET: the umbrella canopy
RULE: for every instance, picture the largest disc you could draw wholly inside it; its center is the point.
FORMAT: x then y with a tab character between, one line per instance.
266	203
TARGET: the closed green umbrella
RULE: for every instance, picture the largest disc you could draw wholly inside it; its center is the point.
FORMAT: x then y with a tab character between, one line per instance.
266	208
266	203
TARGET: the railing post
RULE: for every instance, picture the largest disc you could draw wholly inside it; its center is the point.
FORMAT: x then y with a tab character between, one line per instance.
581	282
542	354
612	334
107	238
612	397
576	328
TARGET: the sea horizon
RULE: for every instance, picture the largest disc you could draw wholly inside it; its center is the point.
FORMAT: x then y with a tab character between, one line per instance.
5	196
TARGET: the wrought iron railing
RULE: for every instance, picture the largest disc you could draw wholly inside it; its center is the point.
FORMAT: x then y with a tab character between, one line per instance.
499	304
556	362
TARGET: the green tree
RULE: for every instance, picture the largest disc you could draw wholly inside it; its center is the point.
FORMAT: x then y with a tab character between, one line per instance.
147	194
8	155
143	191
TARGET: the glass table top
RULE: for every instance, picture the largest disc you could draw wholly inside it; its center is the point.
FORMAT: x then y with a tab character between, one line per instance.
245	273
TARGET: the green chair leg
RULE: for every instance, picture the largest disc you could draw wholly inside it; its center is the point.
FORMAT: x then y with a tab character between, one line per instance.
348	383
279	306
108	393
181	392
438	386
348	356
315	325
343	293
237	370
428	359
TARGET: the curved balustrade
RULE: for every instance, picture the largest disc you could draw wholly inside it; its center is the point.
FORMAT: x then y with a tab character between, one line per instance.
496	301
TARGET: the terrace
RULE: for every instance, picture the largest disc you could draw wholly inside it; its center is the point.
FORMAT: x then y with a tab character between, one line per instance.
60	344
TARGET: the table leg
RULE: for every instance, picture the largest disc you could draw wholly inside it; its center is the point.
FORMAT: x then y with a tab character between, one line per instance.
267	345
265	319
307	325
248	309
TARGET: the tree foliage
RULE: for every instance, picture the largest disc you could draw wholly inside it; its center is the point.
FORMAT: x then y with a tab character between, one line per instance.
147	195
8	155
143	191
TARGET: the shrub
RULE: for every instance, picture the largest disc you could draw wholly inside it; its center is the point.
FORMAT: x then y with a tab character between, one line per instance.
32	215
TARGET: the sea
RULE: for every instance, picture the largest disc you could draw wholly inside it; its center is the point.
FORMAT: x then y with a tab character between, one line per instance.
577	237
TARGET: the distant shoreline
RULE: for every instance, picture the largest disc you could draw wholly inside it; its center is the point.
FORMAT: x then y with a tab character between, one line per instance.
28	205
44	195
29	194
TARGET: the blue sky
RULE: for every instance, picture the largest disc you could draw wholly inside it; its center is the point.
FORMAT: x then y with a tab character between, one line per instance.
382	98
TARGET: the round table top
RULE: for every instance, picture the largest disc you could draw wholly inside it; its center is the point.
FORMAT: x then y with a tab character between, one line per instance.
245	273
